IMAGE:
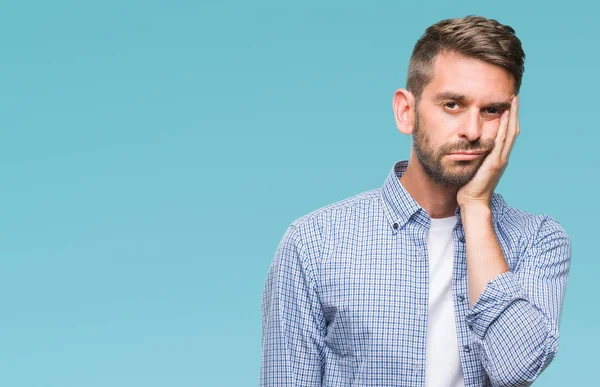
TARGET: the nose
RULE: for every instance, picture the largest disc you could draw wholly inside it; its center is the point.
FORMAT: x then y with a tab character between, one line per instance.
470	128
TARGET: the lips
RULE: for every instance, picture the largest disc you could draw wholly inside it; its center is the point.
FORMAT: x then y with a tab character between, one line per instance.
467	153
465	156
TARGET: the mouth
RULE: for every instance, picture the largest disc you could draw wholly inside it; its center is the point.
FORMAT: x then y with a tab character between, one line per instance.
472	155
475	152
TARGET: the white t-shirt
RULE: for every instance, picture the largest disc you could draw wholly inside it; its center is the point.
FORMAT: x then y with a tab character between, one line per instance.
442	366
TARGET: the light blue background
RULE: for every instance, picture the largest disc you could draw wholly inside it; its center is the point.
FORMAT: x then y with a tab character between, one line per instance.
153	153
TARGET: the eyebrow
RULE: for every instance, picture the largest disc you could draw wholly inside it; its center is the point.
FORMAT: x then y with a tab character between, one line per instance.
462	98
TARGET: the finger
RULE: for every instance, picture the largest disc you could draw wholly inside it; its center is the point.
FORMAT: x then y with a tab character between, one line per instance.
500	135
513	127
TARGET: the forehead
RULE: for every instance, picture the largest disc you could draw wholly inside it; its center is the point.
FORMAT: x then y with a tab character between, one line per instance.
474	78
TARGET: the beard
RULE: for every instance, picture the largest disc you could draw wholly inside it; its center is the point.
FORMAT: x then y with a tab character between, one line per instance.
454	173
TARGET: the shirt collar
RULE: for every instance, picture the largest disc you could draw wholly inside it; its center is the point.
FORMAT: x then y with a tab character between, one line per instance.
399	206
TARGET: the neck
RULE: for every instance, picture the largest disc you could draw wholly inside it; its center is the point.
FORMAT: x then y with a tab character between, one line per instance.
439	200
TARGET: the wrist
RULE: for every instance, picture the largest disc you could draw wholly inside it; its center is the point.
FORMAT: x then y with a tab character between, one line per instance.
476	209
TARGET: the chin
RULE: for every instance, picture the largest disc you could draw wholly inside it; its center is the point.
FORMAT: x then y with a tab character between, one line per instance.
459	179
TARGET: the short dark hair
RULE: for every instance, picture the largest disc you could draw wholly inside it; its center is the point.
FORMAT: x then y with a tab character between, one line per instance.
471	36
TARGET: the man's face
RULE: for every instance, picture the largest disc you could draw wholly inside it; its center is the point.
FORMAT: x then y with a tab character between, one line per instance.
459	110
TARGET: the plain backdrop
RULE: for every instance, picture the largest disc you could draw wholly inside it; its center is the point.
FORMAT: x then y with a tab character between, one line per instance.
152	154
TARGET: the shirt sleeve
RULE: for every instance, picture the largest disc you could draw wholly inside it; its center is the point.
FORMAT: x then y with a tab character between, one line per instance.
293	324
515	322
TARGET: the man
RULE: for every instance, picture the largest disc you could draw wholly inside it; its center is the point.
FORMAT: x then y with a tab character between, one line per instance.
432	279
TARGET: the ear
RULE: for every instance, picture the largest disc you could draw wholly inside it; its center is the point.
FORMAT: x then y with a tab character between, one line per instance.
404	111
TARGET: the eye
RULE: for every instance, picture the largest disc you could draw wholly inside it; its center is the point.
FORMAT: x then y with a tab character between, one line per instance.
451	106
492	111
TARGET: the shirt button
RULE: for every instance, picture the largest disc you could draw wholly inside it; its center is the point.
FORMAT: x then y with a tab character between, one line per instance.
395	226
467	348
470	327
461	298
462	239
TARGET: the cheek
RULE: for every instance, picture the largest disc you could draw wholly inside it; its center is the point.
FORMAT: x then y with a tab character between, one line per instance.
490	130
442	128
445	124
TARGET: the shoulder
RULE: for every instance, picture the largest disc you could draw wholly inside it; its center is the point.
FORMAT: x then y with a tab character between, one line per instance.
313	229
305	238
533	229
352	203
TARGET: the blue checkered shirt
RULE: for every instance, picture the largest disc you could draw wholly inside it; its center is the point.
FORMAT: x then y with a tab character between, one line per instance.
346	297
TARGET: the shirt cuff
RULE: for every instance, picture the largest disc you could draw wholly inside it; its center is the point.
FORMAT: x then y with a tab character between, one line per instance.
498	294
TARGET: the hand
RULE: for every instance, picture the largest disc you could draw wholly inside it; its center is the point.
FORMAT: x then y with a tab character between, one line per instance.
481	187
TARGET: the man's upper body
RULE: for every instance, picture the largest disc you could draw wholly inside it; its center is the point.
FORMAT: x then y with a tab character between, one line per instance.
346	298
432	280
